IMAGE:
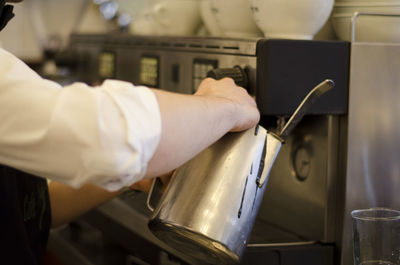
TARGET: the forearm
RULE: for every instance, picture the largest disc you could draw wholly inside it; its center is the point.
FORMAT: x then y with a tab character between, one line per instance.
68	203
189	124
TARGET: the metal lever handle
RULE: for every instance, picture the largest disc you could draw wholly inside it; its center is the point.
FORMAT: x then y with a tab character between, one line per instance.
301	110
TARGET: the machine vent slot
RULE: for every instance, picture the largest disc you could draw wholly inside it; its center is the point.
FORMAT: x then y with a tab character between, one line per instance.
212	47
195	46
165	44
152	44
231	47
179	44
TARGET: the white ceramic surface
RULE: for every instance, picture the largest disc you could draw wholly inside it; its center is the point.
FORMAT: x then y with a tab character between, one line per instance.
291	19
144	24
133	7
208	18
177	17
169	17
368	28
234	18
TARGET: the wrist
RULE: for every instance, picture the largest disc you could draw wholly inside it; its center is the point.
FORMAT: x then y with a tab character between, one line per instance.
223	108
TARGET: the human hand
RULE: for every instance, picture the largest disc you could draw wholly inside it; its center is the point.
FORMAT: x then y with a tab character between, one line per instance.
245	110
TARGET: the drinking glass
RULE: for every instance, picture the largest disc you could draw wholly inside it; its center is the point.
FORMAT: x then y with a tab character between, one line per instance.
376	235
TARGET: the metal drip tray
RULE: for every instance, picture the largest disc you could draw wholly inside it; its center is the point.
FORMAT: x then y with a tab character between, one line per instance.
264	233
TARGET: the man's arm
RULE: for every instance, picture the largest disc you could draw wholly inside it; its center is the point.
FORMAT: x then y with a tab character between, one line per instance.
191	123
68	203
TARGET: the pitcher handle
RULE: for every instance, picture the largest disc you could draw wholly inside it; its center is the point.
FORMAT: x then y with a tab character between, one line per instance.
155	188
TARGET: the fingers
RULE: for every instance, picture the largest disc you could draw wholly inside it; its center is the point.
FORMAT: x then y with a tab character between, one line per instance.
246	112
224	87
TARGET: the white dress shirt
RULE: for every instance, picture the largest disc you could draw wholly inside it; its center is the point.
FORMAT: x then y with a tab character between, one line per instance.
76	134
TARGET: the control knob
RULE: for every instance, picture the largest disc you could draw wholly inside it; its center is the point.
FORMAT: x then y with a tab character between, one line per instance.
236	73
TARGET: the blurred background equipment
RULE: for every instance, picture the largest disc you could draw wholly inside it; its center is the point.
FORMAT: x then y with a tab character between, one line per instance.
374	21
342	156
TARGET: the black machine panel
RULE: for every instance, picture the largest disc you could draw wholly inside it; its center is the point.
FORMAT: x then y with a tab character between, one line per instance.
279	72
288	69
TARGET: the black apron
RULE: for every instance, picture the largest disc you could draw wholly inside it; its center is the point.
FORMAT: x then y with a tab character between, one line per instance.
6	13
25	217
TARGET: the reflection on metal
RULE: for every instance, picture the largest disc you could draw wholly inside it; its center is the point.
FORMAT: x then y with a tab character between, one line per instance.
301	243
306	207
210	205
373	153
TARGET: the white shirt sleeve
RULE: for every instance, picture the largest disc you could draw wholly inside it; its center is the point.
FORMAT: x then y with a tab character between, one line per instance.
76	134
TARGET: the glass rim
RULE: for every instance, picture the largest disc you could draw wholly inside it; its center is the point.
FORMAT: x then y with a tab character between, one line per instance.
369	218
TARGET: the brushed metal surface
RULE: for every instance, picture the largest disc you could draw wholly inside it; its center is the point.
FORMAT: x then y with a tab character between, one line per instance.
373	168
301	191
215	197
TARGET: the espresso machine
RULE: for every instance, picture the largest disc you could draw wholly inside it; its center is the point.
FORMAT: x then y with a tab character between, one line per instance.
304	215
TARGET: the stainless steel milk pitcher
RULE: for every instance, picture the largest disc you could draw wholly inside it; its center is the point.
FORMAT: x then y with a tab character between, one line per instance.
210	205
